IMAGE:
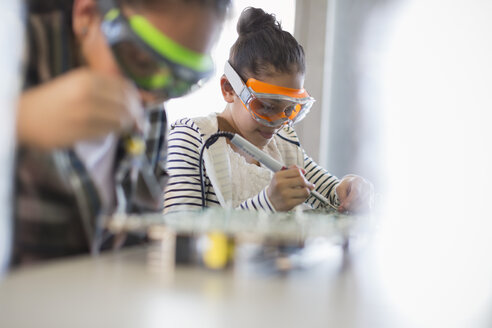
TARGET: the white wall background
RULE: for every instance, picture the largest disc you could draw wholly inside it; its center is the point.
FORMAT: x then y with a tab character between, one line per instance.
412	80
436	81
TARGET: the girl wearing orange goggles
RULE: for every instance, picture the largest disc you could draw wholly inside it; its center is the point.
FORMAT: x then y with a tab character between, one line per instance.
268	104
263	87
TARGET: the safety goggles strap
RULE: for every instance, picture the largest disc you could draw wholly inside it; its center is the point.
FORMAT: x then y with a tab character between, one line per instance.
162	45
106	5
237	83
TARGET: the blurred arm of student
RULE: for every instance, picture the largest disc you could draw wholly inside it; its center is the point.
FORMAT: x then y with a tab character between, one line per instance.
79	105
355	194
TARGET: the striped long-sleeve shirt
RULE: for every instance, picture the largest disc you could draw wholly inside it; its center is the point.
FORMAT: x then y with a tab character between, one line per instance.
183	191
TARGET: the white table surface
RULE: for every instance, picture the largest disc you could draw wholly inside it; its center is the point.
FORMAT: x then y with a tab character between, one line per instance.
123	290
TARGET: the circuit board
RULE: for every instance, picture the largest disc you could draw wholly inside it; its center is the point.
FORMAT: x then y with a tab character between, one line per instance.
293	226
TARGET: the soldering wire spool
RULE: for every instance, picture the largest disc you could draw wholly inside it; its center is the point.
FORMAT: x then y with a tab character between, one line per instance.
161	252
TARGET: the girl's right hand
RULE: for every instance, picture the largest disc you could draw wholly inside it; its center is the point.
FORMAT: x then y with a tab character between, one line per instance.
78	105
289	188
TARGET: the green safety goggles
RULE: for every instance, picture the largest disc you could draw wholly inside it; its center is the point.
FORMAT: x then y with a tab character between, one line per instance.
152	60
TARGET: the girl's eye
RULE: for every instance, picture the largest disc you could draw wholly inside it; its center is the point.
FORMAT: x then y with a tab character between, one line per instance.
140	63
268	107
288	111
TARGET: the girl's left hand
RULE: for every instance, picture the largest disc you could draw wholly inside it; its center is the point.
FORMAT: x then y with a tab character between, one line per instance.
355	194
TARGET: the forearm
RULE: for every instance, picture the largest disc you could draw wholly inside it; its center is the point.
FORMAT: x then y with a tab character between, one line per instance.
260	202
35	128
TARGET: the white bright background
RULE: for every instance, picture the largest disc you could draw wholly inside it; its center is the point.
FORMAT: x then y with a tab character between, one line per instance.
435	252
209	99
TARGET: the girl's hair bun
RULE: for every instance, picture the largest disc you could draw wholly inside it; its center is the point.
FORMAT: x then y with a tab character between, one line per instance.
254	20
263	48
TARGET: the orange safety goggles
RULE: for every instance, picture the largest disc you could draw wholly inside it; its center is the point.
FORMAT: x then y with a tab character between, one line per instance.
268	104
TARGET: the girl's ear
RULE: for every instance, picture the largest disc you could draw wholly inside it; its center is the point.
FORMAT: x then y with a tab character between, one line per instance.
227	90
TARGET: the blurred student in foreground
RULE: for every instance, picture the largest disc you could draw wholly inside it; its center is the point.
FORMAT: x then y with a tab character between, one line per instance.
91	124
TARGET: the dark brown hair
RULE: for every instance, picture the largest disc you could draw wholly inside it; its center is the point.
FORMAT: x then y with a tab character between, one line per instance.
39	6
56	18
263	48
220	6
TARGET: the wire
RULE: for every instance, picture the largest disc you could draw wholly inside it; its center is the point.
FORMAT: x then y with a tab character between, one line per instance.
209	142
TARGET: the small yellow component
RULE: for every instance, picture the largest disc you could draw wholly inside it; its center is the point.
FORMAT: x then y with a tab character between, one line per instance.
218	251
135	146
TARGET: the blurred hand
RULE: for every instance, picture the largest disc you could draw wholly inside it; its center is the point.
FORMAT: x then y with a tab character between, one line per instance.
76	106
289	188
355	194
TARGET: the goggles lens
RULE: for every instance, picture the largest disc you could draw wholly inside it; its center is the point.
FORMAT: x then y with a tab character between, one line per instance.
272	113
157	77
154	62
274	109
